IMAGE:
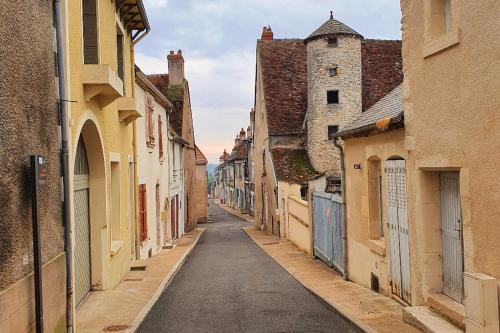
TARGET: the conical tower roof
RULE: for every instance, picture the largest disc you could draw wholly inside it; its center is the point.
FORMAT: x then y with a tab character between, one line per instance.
332	27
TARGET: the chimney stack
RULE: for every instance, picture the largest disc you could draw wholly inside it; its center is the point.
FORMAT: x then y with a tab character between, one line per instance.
249	132
237	140
267	33
175	68
242	134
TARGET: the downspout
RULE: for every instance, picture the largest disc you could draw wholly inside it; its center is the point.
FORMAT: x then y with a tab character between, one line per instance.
344	222
63	107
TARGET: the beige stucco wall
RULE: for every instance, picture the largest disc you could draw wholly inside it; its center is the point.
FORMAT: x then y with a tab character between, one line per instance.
176	180
112	136
201	193
153	171
320	58
368	255
451	110
265	180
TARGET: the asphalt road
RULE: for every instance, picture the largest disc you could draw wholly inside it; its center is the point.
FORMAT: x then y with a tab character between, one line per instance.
230	285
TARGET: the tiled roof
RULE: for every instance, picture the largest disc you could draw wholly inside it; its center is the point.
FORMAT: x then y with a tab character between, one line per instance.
292	165
284	76
389	107
330	28
200	157
174	93
381	70
240	152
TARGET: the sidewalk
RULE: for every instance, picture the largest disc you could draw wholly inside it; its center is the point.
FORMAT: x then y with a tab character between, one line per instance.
234	212
370	311
123	308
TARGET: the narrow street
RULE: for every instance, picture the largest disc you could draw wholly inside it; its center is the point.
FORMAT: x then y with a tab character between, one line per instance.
230	285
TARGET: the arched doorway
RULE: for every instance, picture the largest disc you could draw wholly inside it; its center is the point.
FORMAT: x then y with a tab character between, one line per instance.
81	201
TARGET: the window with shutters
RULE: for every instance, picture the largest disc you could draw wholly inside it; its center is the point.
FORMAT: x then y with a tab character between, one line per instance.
143	213
90	47
150	136
119	53
160	138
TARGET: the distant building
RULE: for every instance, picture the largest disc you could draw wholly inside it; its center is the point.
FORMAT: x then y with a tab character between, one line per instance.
201	193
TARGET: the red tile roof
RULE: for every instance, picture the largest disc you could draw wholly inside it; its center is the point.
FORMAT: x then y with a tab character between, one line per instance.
382	69
292	165
173	94
284	76
200	157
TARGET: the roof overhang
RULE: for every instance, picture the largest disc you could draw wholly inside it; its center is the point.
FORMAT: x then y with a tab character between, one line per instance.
133	15
395	123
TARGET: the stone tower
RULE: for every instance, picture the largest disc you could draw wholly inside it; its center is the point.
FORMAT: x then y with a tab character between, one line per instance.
334	89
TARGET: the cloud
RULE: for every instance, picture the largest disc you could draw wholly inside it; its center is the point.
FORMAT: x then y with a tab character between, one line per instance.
155	3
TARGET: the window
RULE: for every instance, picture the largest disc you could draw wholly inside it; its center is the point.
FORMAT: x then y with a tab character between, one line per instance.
375	198
332	130
143	213
333	71
303	192
119	53
150	138
160	138
332	97
440	17
333	42
90	49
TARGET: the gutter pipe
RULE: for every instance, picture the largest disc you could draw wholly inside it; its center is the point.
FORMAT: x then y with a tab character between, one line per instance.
63	109
344	220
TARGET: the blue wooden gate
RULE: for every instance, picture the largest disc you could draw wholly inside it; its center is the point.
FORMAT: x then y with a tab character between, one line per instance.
328	229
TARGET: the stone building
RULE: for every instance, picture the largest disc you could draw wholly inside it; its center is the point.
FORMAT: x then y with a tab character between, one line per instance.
346	74
29	125
201	192
175	87
451	67
153	166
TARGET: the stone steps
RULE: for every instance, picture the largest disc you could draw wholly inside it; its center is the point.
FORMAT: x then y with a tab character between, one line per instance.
428	321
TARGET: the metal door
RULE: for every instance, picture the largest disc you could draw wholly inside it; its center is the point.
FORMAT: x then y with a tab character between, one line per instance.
398	228
328	229
82	263
451	232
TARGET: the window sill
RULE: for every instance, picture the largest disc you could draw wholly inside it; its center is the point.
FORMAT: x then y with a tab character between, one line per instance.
441	43
333	106
116	245
377	246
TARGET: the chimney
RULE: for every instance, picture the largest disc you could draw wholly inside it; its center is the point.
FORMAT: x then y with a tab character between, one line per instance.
175	68
267	33
237	140
249	132
242	134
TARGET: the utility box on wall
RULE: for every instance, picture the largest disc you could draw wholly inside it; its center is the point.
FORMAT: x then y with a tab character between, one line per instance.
481	303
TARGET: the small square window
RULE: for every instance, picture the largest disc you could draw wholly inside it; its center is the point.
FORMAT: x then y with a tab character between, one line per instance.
333	42
333	71
332	97
332	130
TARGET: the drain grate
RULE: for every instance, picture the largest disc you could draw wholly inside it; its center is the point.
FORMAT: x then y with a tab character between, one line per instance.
115	328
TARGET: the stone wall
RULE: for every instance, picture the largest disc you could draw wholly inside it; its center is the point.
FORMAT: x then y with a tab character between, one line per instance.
320	58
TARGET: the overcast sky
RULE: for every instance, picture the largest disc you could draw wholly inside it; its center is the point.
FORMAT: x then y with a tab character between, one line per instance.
218	39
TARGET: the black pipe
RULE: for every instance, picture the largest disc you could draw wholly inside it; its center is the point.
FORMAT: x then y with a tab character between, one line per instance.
37	257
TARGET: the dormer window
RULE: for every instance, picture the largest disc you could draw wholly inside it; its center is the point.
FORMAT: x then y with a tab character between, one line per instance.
332	42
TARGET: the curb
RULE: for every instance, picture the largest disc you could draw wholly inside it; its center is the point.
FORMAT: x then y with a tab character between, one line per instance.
163	285
228	210
332	305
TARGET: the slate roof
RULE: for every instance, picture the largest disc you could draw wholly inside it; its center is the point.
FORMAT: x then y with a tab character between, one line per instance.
175	93
292	165
332	27
390	106
200	157
381	69
284	76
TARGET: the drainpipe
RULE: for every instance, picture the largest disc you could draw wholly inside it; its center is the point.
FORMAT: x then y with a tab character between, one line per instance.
136	173
344	222
63	105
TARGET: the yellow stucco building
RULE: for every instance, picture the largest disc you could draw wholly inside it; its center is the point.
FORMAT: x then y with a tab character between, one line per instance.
101	36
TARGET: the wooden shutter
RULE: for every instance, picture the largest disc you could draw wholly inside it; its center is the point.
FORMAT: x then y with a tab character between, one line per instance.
90	31
143	212
160	137
150	139
119	55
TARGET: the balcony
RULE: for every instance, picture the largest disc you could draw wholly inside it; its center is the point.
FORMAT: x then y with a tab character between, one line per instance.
127	109
102	82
